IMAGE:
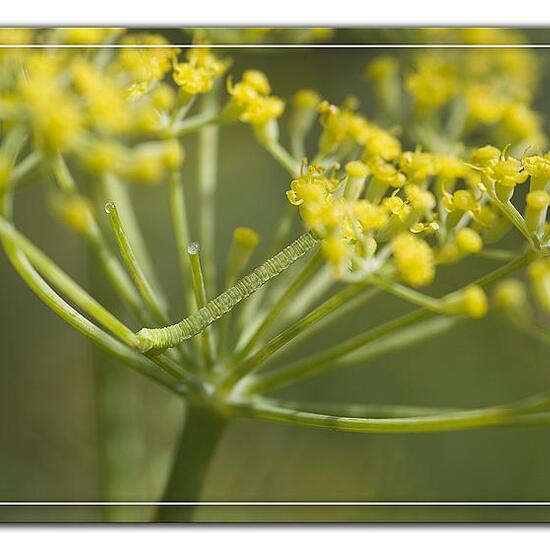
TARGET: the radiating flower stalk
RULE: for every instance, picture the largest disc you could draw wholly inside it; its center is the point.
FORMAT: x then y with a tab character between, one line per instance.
382	208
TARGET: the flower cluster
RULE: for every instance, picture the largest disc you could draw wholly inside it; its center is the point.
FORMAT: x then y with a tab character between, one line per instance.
403	213
473	91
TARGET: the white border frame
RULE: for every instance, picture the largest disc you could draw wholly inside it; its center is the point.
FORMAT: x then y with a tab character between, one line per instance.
281	503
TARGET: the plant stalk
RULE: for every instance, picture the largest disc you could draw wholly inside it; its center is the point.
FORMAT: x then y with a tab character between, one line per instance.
202	432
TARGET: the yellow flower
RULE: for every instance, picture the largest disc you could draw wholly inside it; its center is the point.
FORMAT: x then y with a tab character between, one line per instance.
471	302
369	215
469	241
147	64
382	144
432	85
257	80
539	170
420	199
191	79
306	99
337	252
85	35
101	155
163	97
463	200
262	110
105	101
381	67
539	273
74	211
484	105
418	166
414	259
507	171
510	296
485	155
386	172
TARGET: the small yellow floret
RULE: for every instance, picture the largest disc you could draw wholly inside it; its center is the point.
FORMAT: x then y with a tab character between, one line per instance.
258	81
510	295
538	200
246	237
306	99
357	169
414	259
469	241
173	154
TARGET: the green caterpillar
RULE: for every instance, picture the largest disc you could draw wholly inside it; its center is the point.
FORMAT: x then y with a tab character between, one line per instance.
168	337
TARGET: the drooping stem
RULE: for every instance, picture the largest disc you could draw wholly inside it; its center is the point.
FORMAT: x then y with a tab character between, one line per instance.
59	306
199	440
447	421
62	281
194	324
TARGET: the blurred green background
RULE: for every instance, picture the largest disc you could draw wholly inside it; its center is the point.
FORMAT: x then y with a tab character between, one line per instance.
57	443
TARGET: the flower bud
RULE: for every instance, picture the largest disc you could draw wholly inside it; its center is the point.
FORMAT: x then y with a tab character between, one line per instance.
469	241
471	302
357	173
510	296
539	273
535	211
304	104
245	240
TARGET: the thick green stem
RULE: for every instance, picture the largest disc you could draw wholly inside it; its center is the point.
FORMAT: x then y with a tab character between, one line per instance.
199	440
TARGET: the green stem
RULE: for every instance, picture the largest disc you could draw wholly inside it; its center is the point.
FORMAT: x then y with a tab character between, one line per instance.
72	317
496	254
303	327
66	284
207	181
200	437
237	367
407	294
451	421
199	287
194	124
283	157
194	324
329	359
117	192
115	273
181	233
112	267
155	305
320	362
